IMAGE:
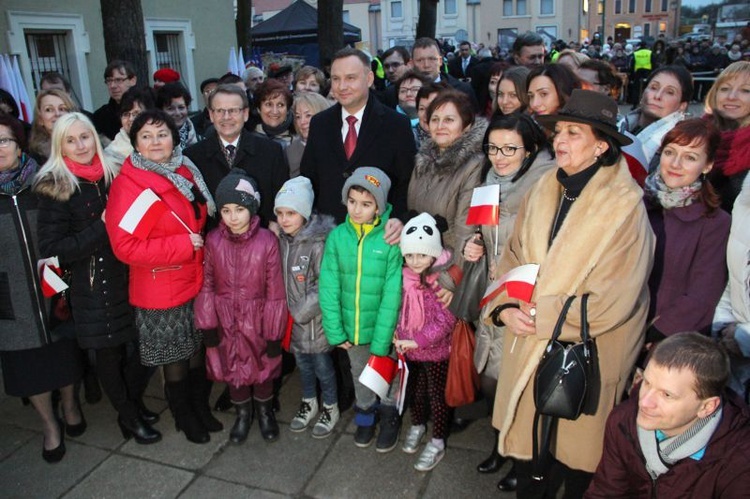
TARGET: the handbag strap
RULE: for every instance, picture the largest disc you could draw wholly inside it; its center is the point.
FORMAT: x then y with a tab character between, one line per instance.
585	318
540	461
561	319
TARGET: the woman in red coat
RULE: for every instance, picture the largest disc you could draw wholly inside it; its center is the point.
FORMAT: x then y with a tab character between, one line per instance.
163	246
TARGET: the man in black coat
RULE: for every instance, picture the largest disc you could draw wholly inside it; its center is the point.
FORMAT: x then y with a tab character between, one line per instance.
231	146
426	58
119	76
460	67
383	139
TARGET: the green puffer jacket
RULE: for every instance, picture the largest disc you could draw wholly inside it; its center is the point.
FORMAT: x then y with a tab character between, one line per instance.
360	286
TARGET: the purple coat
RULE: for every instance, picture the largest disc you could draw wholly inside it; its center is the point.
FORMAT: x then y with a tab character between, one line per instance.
243	296
690	270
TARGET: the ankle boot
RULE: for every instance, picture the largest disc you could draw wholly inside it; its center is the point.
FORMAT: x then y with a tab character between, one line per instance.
200	390
510	481
269	428
138	429
241	427
224	402
184	417
494	462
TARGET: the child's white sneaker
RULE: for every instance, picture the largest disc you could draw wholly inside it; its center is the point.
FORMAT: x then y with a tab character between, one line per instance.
329	416
308	409
413	439
430	457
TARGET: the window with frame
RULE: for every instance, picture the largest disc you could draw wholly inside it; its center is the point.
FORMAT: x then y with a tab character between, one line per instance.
547	7
664	5
600	7
632	6
618	6
521	7
507	8
548	34
167	47
449	7
397	9
646	29
47	51
647	6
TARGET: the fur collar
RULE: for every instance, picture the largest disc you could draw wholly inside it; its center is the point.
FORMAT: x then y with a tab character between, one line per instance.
57	189
317	229
430	160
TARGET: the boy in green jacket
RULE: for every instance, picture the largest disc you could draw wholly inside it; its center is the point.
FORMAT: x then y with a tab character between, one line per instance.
360	296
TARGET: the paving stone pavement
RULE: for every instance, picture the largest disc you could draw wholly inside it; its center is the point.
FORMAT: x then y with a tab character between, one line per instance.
102	464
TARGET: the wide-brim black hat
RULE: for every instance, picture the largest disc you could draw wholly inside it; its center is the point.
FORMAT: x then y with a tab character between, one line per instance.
590	108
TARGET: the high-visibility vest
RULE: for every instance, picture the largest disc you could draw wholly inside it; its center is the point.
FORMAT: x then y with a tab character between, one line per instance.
642	59
379	72
554	55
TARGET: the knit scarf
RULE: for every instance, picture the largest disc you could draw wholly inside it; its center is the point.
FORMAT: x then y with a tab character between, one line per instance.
168	170
184	134
504	181
661	455
731	156
652	135
656	190
275	131
93	172
12	181
412	297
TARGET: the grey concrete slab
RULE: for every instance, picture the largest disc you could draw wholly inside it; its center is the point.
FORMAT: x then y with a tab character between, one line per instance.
456	476
25	474
479	435
210	487
175	450
122	476
13	413
12	438
283	466
348	471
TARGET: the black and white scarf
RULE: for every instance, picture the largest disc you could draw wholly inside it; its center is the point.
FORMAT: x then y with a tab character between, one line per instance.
656	190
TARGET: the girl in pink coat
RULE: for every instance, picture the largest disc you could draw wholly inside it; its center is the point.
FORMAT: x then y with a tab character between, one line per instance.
241	308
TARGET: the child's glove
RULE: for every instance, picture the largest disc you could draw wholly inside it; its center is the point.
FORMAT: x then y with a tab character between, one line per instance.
211	337
273	348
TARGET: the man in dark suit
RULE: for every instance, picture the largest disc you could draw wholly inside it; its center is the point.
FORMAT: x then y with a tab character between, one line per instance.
460	67
383	139
426	58
231	146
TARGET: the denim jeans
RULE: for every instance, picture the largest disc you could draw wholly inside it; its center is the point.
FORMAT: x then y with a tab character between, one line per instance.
366	398
318	366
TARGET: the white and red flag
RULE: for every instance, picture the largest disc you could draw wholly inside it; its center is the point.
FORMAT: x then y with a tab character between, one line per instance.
636	158
50	272
518	283
378	374
143	214
485	206
403	378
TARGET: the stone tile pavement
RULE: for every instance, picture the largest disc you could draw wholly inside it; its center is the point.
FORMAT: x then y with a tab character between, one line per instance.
102	464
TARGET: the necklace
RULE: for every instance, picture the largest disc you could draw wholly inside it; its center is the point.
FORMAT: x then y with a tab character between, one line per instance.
568	198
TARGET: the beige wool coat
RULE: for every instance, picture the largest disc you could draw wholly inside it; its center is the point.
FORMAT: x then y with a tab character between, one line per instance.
604	248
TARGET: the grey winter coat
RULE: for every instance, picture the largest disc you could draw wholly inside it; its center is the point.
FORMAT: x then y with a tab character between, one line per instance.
300	257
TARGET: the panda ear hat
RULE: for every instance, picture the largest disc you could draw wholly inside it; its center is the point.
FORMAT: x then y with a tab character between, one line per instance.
420	235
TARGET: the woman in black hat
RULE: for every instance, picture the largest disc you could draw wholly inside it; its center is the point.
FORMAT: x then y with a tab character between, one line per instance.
586	226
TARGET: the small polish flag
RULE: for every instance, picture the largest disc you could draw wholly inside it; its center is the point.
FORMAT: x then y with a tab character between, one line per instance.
485	206
378	374
518	283
403	371
50	272
635	156
143	214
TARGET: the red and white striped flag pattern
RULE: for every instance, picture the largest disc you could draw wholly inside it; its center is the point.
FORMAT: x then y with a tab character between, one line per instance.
518	282
378	374
50	272
485	206
143	214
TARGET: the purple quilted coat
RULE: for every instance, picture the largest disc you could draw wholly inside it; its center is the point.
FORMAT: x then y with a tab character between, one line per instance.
243	296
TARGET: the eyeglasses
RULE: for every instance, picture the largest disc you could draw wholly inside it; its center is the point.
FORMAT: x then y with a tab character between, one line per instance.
507	151
5	141
392	65
408	90
115	81
131	115
232	111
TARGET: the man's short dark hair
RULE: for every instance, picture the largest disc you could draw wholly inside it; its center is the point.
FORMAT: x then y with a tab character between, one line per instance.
54	77
425	43
702	356
464	42
398	49
171	91
228	89
230	79
528	39
429	89
207	82
411	75
349	52
133	95
125	66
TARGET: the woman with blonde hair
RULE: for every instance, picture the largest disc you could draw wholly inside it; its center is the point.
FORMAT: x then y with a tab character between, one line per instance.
49	106
305	106
72	188
727	104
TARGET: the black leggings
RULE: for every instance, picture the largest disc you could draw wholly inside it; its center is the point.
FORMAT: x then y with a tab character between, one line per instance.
122	377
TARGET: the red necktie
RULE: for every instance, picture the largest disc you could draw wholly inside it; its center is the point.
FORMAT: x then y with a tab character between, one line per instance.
350	142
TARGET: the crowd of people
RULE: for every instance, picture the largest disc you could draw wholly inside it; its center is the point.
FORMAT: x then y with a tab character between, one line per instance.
317	220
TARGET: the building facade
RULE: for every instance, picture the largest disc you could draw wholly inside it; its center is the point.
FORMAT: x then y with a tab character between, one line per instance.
628	19
190	36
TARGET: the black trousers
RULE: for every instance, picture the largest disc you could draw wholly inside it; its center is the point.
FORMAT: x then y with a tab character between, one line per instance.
123	377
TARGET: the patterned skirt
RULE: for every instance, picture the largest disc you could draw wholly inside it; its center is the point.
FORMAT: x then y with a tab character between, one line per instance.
167	335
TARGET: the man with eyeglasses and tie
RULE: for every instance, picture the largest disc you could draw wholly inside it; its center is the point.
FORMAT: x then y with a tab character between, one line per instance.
395	63
231	146
118	76
427	59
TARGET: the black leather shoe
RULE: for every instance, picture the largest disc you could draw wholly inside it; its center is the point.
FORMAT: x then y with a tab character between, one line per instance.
148	416
459	424
509	482
55	455
269	428
241	427
139	430
76	430
492	464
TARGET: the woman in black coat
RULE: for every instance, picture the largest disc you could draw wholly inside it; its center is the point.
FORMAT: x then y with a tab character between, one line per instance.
72	187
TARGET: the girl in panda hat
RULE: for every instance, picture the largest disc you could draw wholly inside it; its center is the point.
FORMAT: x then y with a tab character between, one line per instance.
423	335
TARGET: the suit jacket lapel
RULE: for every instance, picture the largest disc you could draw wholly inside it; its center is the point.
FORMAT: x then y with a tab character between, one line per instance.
371	120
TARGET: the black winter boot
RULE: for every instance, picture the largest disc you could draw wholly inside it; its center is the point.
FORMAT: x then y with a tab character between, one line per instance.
241	427
184	417
269	428
390	426
494	462
200	390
